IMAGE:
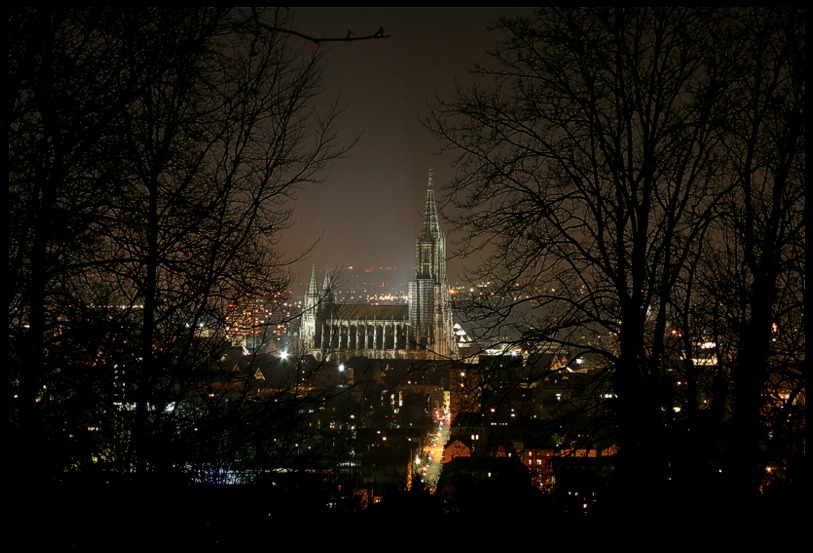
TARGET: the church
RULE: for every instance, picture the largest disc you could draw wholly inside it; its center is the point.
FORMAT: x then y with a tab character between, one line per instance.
422	329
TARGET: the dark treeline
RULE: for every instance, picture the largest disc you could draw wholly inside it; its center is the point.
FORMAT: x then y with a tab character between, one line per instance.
638	178
153	157
639	173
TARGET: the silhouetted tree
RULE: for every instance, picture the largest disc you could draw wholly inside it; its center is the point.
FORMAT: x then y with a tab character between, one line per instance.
759	264
596	162
153	155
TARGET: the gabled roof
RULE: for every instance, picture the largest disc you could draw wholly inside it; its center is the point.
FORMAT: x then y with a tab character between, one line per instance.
363	312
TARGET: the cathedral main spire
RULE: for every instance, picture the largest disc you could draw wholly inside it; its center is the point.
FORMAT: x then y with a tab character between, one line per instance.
431	224
430	307
431	244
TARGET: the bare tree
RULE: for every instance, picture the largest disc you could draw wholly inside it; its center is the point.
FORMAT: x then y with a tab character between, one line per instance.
591	166
759	267
68	85
154	154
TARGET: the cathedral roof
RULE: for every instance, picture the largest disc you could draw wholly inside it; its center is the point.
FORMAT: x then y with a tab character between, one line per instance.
364	312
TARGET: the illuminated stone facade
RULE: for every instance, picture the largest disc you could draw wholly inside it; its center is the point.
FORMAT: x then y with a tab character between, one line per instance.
422	329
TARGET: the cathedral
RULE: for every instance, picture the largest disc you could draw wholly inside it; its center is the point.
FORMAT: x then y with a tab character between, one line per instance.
423	329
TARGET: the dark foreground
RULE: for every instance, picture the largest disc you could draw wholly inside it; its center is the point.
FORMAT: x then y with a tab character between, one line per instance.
82	517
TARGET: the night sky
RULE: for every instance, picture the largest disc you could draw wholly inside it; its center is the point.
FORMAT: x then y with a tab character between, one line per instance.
369	209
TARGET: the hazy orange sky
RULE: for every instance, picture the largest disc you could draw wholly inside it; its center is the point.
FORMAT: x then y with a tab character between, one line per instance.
369	210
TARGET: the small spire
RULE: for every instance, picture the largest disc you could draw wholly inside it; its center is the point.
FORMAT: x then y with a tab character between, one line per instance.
327	289
312	287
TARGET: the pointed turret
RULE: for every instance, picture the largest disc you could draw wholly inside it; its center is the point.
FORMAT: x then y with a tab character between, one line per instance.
312	289
326	282
327	290
311	296
309	312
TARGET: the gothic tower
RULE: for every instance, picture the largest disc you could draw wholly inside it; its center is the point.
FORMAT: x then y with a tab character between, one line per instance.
421	330
430	312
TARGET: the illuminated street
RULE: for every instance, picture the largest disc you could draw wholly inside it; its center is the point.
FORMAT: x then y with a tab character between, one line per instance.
431	460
